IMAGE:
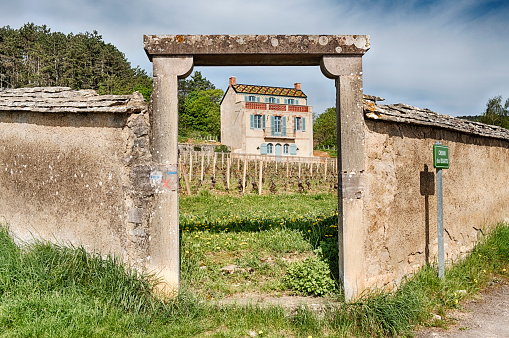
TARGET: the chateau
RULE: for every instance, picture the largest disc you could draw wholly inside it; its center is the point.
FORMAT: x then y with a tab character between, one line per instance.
266	120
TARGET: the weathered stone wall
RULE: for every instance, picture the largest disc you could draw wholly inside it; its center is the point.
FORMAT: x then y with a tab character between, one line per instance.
400	197
70	163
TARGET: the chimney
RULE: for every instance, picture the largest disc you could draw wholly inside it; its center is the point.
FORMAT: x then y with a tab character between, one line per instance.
233	80
297	86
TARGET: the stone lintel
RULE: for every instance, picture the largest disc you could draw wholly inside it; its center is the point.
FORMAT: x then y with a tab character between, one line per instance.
256	50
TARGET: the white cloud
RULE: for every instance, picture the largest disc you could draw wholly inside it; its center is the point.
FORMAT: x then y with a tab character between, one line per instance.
449	56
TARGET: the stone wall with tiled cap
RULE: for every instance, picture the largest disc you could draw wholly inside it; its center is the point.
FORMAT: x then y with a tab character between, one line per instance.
73	167
400	198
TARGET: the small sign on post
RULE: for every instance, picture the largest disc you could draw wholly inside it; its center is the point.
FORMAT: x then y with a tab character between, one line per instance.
440	156
440	161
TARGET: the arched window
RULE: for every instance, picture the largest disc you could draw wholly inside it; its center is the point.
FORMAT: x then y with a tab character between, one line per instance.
269	148
286	149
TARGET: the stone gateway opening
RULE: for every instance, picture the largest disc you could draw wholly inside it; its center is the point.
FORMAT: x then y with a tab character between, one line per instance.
339	57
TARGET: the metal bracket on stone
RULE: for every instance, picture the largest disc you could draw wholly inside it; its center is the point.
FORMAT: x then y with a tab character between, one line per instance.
135	215
352	185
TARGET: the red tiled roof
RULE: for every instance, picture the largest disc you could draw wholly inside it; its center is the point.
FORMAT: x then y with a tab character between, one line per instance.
264	90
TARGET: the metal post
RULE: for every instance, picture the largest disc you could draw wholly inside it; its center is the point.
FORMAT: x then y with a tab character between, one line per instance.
440	223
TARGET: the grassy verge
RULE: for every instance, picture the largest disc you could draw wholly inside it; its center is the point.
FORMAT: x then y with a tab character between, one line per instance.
54	291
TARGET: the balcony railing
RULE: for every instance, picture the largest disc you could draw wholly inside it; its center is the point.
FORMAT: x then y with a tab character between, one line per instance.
277	107
282	134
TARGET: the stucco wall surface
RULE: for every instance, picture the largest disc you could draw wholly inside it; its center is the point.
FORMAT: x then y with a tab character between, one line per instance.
400	194
68	171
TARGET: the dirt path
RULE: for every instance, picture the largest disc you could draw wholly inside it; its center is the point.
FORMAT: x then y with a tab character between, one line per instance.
486	316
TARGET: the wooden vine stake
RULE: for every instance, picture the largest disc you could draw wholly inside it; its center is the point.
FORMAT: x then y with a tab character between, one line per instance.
190	167
188	189
202	162
228	160
214	166
260	178
244	176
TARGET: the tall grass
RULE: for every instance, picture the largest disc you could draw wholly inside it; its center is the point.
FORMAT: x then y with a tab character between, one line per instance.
55	291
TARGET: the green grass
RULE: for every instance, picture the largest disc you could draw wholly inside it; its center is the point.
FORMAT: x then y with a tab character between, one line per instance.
260	235
53	291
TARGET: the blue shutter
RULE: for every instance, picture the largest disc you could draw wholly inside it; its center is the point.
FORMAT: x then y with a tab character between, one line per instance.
263	122
263	149
284	126
245	98
286	101
294	123
251	121
278	100
266	100
258	99
303	124
293	149
272	125
296	101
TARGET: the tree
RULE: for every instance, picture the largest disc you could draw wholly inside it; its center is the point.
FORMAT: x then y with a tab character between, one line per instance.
197	82
190	119
202	112
324	128
495	113
35	56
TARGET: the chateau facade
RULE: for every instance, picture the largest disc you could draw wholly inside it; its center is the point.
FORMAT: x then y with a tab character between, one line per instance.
266	120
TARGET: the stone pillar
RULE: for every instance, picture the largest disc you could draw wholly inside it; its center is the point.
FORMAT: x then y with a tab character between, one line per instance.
164	223
347	72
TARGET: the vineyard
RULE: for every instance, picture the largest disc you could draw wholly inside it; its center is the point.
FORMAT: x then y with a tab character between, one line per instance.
226	173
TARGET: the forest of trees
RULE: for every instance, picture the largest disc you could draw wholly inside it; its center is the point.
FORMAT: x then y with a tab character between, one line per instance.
34	56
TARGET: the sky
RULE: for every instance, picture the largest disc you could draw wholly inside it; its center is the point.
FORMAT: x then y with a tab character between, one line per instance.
449	56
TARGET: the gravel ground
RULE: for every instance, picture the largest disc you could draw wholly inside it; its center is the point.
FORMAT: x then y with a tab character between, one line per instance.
486	316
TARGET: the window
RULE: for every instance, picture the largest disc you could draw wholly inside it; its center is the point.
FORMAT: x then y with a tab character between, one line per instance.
256	121
299	123
291	101
272	100
276	126
286	149
263	149
269	148
251	98
293	149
